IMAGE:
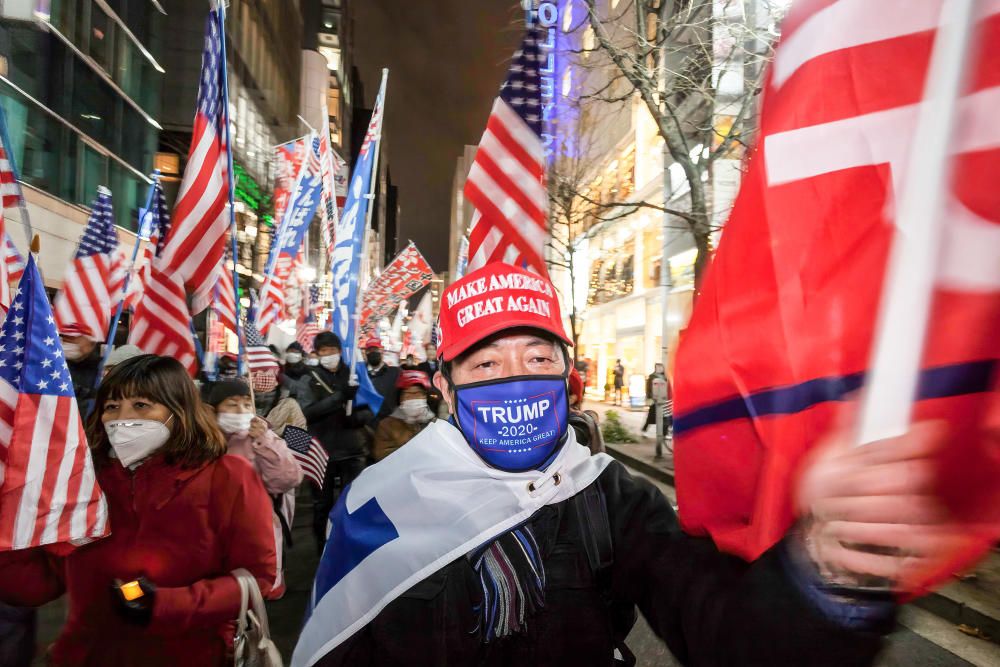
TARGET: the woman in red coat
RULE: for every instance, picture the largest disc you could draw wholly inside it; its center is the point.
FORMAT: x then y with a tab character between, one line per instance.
182	516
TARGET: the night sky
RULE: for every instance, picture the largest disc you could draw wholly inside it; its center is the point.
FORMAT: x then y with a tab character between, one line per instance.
446	60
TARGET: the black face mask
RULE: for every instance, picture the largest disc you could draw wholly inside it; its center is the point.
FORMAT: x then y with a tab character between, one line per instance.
374	358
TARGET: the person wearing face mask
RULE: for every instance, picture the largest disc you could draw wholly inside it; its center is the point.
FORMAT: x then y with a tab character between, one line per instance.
183	516
383	377
323	393
408	419
251	437
83	357
495	538
295	366
668	417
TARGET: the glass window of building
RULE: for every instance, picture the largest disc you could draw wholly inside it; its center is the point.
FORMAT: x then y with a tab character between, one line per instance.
93	108
94	173
101	38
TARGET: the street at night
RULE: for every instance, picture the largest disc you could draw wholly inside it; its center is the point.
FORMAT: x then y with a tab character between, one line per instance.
556	333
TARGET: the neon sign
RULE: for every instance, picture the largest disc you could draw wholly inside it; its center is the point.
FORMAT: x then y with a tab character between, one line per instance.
547	16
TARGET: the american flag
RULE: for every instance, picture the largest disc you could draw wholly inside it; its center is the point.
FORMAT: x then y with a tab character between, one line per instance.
95	278
48	489
14	261
224	303
10	190
162	321
308	327
259	356
308	452
195	244
506	184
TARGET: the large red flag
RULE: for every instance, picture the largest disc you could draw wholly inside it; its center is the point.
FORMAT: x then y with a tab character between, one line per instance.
783	330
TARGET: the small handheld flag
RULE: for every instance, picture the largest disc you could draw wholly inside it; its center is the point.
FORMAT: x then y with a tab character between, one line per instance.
308	452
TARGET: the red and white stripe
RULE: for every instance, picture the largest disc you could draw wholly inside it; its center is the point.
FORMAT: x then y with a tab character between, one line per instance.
91	290
506	185
272	294
50	493
10	190
196	240
224	304
162	322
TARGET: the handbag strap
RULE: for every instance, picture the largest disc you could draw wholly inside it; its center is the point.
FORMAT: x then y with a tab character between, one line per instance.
248	585
241	620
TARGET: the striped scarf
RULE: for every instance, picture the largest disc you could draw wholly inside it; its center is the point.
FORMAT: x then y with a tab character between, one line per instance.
513	579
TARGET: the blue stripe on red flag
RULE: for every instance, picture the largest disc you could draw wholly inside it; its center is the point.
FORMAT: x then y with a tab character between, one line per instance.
939	382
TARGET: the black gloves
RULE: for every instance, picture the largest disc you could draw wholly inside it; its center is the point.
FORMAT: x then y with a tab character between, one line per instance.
134	600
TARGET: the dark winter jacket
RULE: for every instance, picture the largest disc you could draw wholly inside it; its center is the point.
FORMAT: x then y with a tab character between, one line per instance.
84	375
709	608
184	530
323	396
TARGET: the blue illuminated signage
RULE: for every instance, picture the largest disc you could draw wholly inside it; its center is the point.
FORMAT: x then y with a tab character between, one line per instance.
547	16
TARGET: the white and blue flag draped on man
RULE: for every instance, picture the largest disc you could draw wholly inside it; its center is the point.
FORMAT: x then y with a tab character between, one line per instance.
349	249
388	533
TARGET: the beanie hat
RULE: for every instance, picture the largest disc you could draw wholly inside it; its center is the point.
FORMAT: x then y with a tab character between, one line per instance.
223	389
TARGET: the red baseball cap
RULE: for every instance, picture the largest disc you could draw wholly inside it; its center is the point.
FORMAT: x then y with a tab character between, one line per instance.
75	329
491	299
373	341
413	378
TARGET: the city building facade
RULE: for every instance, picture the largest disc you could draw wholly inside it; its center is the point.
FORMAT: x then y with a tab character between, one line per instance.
619	169
80	83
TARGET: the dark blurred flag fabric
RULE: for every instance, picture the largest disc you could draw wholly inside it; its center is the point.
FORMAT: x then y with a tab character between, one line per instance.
782	331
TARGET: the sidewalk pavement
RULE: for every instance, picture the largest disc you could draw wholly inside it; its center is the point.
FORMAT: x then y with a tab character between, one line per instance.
972	600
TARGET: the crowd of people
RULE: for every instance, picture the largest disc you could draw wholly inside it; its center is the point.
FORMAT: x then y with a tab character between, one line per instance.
512	538
199	482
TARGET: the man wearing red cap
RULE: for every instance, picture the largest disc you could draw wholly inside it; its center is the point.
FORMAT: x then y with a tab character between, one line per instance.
497	539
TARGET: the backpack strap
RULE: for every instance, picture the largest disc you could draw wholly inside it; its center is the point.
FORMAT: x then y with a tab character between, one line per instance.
595	528
591	510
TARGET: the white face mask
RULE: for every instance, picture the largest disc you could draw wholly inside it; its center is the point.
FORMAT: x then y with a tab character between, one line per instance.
330	361
135	439
293	357
72	351
312	361
234	422
414	408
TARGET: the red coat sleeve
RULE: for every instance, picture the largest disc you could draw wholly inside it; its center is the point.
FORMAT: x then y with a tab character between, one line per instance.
31	577
248	542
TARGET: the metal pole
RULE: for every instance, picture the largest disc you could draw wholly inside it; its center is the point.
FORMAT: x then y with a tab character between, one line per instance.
139	238
232	196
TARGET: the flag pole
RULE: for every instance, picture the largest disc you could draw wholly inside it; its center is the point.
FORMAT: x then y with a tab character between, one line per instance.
232	195
370	196
139	238
21	203
894	371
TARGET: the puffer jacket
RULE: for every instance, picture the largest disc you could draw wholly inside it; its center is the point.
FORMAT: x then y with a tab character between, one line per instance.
184	530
